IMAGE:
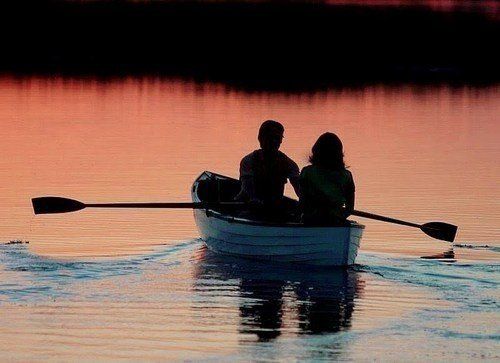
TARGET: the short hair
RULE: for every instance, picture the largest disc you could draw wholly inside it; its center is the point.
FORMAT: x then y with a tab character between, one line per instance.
269	126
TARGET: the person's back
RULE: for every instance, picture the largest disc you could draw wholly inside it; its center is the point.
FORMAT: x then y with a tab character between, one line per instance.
326	194
264	172
267	175
327	187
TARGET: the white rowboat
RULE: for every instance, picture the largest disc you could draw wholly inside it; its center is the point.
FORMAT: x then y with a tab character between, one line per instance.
225	232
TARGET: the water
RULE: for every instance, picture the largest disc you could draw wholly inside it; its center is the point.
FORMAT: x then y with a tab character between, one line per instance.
186	303
136	284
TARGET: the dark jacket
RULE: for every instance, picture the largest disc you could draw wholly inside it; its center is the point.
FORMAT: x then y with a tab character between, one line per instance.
327	195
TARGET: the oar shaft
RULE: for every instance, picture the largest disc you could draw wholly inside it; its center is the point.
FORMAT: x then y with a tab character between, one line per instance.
162	205
384	219
49	205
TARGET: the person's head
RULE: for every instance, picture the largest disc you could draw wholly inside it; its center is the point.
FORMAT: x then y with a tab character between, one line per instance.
328	152
271	135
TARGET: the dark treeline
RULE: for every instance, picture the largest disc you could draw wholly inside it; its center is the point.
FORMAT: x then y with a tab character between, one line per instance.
250	43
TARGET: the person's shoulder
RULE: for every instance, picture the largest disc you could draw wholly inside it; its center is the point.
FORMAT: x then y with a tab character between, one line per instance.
291	165
306	170
286	158
247	164
249	157
348	176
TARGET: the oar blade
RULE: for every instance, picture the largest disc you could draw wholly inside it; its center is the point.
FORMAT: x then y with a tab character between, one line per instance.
48	205
440	230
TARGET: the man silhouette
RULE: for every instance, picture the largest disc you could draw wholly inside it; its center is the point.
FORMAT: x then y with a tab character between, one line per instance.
264	172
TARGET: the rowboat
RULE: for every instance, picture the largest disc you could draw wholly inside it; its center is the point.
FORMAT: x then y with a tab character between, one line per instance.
226	231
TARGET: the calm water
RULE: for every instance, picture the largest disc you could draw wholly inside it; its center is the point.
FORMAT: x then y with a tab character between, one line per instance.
139	284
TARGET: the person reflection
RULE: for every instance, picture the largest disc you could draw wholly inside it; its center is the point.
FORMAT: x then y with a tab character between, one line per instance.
327	308
319	301
262	316
322	303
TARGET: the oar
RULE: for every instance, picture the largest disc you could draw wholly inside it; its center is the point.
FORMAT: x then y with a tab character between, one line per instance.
47	205
438	230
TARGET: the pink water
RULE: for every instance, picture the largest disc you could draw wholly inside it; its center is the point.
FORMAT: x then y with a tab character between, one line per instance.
416	153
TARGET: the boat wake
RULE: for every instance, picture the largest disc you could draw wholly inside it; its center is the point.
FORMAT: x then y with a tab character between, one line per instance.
304	310
477	247
471	285
28	276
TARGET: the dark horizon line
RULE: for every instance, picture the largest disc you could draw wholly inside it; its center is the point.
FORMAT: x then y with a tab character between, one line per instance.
260	44
260	85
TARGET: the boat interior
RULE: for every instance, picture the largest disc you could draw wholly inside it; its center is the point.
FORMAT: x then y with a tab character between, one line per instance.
215	188
218	189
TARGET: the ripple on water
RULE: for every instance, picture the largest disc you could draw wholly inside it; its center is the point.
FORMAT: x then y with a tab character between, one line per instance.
184	302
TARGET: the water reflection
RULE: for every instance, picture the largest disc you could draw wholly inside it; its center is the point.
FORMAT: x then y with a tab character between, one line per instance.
276	298
147	139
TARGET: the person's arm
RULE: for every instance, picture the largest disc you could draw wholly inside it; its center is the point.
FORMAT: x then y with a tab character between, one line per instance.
303	185
247	191
294	177
295	181
350	195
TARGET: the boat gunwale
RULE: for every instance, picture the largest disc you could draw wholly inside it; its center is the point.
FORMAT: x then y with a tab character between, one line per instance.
231	219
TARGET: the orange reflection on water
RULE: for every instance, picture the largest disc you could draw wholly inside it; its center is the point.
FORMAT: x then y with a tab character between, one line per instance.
419	154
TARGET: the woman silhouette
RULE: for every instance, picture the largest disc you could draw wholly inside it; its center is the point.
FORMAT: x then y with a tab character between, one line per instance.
327	187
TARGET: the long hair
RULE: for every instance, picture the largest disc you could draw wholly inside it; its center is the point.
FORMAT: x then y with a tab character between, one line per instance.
328	152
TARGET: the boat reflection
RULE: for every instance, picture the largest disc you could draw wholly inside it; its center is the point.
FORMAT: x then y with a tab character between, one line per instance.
278	298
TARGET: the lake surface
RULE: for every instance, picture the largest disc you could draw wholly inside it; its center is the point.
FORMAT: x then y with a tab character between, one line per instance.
139	284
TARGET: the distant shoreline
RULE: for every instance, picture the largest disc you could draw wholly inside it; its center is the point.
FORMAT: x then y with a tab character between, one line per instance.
262	44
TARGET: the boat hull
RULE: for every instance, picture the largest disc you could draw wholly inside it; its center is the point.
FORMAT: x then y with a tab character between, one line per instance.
288	243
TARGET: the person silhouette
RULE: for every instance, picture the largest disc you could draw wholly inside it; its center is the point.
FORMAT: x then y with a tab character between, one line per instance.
327	187
264	172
